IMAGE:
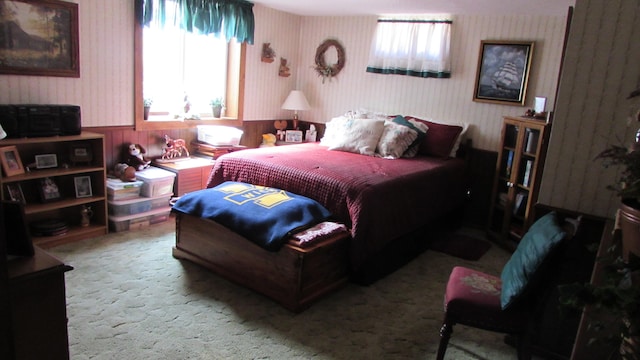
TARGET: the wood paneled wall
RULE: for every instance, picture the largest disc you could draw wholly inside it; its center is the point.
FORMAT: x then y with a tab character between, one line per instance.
117	138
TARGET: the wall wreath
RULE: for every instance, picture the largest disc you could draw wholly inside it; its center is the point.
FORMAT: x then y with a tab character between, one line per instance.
324	70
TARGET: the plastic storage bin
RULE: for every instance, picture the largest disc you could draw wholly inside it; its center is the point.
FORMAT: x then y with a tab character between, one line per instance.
218	135
137	221
137	205
122	190
156	181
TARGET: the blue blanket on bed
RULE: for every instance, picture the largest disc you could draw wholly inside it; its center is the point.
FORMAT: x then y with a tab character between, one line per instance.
266	216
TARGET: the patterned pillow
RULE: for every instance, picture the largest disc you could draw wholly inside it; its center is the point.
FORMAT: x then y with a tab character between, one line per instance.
543	236
395	140
421	130
358	136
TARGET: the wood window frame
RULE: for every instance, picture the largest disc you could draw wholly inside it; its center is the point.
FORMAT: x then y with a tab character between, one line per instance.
236	61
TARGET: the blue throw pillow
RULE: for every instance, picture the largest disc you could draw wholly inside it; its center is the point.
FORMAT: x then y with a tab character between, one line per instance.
537	243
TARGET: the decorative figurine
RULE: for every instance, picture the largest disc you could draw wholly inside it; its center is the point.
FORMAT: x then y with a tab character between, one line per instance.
174	148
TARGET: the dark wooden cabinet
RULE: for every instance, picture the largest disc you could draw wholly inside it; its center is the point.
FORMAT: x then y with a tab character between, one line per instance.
37	307
517	178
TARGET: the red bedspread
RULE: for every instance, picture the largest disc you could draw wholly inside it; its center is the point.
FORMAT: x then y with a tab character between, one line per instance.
378	199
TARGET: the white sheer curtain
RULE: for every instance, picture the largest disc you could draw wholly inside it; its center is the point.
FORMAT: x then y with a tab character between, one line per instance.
411	47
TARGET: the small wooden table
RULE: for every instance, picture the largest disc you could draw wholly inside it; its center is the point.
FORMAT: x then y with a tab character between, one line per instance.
38	306
191	174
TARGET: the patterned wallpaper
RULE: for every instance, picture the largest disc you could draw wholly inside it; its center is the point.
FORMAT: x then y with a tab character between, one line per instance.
600	70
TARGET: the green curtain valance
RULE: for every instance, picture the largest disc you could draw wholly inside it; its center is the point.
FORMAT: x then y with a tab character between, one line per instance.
228	18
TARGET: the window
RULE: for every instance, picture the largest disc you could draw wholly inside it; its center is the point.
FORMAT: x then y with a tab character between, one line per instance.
414	47
181	71
183	80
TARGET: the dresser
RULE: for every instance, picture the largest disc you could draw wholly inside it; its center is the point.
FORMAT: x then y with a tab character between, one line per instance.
38	308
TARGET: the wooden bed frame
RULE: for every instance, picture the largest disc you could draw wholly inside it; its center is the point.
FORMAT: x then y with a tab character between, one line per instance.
294	276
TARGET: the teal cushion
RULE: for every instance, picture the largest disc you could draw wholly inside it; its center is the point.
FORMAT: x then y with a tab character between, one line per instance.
537	243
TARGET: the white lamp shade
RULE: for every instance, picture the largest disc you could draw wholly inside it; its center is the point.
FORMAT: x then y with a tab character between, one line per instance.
296	101
3	134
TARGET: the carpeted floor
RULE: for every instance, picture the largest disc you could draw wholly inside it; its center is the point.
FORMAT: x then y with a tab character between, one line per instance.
128	298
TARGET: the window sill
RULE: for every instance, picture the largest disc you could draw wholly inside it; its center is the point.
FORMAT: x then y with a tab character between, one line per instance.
163	123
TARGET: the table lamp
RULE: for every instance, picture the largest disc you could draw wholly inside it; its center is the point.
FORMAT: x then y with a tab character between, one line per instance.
296	101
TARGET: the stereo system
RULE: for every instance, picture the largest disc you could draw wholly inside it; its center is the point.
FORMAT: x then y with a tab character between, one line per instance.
20	121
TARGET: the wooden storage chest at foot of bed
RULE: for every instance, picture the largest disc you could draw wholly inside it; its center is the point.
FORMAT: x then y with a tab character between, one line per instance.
293	276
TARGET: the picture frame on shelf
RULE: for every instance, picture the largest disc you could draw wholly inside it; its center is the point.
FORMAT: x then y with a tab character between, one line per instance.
14	190
49	190
55	52
80	153
83	186
503	71
11	163
46	161
293	136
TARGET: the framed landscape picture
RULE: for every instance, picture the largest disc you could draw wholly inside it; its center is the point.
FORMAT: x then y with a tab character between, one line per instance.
503	72
42	37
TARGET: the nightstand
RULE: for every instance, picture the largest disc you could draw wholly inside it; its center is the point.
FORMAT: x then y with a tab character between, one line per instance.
191	174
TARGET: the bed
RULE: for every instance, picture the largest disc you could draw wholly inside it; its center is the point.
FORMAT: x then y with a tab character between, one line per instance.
388	205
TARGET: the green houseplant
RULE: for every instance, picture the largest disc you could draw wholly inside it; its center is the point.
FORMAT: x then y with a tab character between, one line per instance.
617	294
627	186
147	102
614	315
216	106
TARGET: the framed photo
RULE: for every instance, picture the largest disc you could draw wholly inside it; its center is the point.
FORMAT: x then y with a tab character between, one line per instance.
80	153
44	38
503	72
83	186
15	193
293	136
10	159
46	161
49	190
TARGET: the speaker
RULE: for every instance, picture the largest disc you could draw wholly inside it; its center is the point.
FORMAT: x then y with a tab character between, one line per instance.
9	120
70	123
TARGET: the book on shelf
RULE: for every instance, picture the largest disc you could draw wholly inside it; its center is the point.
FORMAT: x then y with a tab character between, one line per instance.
526	179
520	204
509	163
531	140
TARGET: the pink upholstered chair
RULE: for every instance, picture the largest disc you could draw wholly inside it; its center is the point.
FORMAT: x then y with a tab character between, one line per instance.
503	303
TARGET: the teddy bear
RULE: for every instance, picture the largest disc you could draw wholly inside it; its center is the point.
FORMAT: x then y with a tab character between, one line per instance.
125	172
136	158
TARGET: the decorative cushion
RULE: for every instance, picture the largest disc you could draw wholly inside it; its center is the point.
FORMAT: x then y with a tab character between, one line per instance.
358	136
544	235
440	139
473	298
419	128
395	140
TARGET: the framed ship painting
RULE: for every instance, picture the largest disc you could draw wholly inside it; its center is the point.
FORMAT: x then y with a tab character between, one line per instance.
503	72
39	37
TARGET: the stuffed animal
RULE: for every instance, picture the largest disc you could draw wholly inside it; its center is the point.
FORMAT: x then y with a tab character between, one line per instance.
268	140
125	172
136	157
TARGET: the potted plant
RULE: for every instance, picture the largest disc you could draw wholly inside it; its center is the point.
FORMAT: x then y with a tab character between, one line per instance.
147	105
216	106
614	316
617	295
627	187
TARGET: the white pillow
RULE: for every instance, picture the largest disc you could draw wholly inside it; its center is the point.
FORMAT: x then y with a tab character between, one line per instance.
330	132
395	140
358	136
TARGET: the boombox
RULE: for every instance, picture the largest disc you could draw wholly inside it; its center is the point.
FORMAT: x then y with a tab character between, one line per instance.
20	121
